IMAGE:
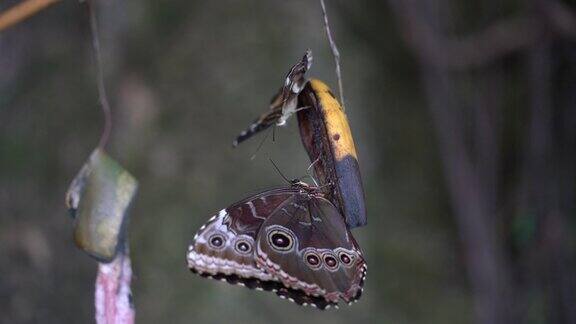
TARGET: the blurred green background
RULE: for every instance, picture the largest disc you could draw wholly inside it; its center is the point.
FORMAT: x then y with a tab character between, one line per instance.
463	116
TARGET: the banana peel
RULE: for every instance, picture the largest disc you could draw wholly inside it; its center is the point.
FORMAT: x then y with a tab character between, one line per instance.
326	136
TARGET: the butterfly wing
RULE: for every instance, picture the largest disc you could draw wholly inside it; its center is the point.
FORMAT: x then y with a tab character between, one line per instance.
263	122
307	246
295	79
284	103
223	248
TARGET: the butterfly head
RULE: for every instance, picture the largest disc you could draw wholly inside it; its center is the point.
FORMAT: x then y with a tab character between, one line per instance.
303	187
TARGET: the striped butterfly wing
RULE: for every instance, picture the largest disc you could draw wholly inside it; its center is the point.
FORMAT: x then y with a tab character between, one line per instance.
307	246
284	103
223	248
291	241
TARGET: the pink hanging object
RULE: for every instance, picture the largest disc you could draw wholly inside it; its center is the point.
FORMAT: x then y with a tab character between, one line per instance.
113	297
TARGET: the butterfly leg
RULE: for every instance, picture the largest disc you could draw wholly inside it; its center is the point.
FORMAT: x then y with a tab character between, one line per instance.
302	108
310	174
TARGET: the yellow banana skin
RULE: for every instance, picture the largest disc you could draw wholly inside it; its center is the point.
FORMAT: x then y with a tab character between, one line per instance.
327	137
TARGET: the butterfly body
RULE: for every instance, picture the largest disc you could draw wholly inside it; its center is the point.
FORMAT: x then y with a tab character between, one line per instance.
290	240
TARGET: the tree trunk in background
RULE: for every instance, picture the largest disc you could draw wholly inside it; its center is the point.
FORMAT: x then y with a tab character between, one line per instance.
471	154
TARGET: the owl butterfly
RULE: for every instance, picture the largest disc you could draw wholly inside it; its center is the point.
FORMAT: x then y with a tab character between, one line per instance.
284	103
291	241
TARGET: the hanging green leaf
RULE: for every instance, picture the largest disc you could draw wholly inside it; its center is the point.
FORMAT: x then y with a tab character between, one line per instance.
98	200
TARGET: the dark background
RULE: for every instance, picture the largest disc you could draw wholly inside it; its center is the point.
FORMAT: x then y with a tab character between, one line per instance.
464	117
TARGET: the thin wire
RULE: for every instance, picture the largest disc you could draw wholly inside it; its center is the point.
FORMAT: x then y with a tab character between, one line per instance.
102	96
335	52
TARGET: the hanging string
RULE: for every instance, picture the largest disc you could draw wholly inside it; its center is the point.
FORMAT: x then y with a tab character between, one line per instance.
335	52
103	97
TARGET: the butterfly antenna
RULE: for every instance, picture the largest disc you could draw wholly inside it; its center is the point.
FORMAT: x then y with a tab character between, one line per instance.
279	172
260	145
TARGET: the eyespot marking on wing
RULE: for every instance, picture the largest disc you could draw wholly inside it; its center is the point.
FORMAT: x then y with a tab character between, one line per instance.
280	238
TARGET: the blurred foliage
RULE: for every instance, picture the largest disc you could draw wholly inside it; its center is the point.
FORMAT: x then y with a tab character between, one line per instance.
184	78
